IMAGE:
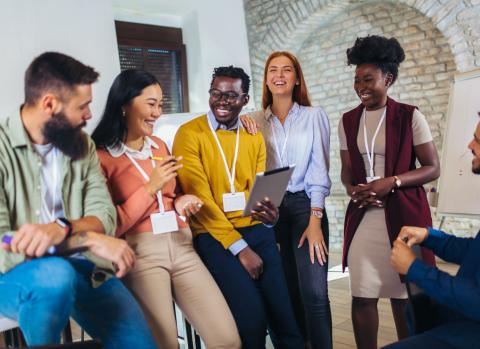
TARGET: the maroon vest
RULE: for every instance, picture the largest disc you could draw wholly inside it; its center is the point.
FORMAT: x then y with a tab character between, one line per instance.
406	206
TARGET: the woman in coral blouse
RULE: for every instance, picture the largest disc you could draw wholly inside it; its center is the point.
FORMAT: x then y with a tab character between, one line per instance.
151	210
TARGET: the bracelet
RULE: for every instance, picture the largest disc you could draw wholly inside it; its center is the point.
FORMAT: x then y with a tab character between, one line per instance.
318	213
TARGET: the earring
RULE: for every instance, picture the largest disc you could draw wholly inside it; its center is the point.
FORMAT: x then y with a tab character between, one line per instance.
123	113
297	83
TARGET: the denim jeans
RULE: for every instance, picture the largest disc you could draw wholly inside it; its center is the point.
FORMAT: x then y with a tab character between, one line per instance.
307	282
253	303
43	293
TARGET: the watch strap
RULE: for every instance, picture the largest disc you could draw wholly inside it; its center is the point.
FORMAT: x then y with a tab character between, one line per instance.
65	224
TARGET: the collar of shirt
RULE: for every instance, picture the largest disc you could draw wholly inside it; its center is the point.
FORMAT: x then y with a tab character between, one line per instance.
217	126
293	110
18	134
143	154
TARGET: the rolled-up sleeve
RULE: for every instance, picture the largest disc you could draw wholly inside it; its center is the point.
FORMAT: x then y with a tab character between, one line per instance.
317	179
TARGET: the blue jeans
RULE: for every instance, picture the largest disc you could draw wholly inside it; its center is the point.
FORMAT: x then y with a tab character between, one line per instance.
307	282
253	303
42	294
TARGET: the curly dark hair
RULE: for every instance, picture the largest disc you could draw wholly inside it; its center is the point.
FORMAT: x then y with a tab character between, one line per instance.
232	72
386	54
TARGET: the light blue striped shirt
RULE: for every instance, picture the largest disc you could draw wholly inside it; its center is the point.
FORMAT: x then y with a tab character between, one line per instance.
307	146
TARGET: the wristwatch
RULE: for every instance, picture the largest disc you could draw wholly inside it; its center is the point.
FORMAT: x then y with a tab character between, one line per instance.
317	213
397	182
65	224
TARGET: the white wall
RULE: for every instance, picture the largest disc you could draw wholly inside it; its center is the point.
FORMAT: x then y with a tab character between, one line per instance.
214	32
80	28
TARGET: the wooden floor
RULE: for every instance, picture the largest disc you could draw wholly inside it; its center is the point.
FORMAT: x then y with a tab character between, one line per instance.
339	292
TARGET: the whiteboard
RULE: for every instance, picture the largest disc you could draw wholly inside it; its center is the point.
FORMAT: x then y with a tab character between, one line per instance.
459	188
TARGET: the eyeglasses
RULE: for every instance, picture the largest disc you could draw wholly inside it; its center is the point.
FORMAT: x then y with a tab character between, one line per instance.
229	96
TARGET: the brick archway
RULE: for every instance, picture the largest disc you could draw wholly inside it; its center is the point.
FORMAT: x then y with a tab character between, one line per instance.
438	37
285	25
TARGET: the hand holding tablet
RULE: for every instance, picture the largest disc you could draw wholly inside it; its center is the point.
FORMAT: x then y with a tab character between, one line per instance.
270	184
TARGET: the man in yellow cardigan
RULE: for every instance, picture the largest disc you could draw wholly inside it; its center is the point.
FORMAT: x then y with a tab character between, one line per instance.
220	160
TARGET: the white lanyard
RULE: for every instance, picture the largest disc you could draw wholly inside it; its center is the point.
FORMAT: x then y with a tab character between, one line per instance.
371	154
51	214
147	178
284	147
230	175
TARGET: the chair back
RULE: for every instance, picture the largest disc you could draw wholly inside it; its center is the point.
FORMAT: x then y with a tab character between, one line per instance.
422	310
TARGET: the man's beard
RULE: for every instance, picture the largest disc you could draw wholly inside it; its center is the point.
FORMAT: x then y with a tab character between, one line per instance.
68	139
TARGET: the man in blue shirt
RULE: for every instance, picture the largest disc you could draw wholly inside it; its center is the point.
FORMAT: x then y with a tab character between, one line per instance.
457	297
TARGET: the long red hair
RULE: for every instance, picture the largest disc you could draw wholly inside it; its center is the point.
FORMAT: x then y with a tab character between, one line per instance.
300	92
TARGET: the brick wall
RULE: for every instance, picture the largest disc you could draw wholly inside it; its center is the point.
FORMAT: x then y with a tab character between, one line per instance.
439	37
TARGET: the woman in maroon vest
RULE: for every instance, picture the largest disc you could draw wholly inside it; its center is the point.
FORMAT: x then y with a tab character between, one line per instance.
380	141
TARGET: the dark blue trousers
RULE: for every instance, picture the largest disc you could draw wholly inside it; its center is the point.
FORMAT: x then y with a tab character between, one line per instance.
421	341
456	334
253	303
307	282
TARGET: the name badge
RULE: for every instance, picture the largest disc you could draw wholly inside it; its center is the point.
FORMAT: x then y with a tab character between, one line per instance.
233	202
164	222
372	178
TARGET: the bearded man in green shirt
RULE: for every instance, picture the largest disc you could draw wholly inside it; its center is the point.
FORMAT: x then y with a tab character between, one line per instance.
53	198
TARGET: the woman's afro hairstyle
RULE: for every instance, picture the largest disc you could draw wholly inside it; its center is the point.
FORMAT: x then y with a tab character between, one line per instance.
386	54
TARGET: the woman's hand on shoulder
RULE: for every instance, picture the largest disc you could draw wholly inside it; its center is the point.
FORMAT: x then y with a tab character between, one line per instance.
249	124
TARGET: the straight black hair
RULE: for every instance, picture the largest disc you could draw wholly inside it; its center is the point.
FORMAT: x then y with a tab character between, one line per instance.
112	128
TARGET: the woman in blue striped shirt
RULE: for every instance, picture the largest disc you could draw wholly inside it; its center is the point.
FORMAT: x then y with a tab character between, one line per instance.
296	133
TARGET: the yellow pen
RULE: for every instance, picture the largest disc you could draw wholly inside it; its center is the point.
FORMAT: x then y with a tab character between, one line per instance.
158	158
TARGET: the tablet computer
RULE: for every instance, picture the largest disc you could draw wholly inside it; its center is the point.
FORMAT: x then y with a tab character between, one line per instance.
271	184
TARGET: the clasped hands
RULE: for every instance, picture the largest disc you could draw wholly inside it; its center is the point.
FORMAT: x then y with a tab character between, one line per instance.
371	194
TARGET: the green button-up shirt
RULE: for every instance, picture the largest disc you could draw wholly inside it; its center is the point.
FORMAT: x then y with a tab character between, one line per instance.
84	192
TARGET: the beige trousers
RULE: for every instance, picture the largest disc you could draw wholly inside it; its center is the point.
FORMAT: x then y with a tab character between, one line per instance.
168	269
